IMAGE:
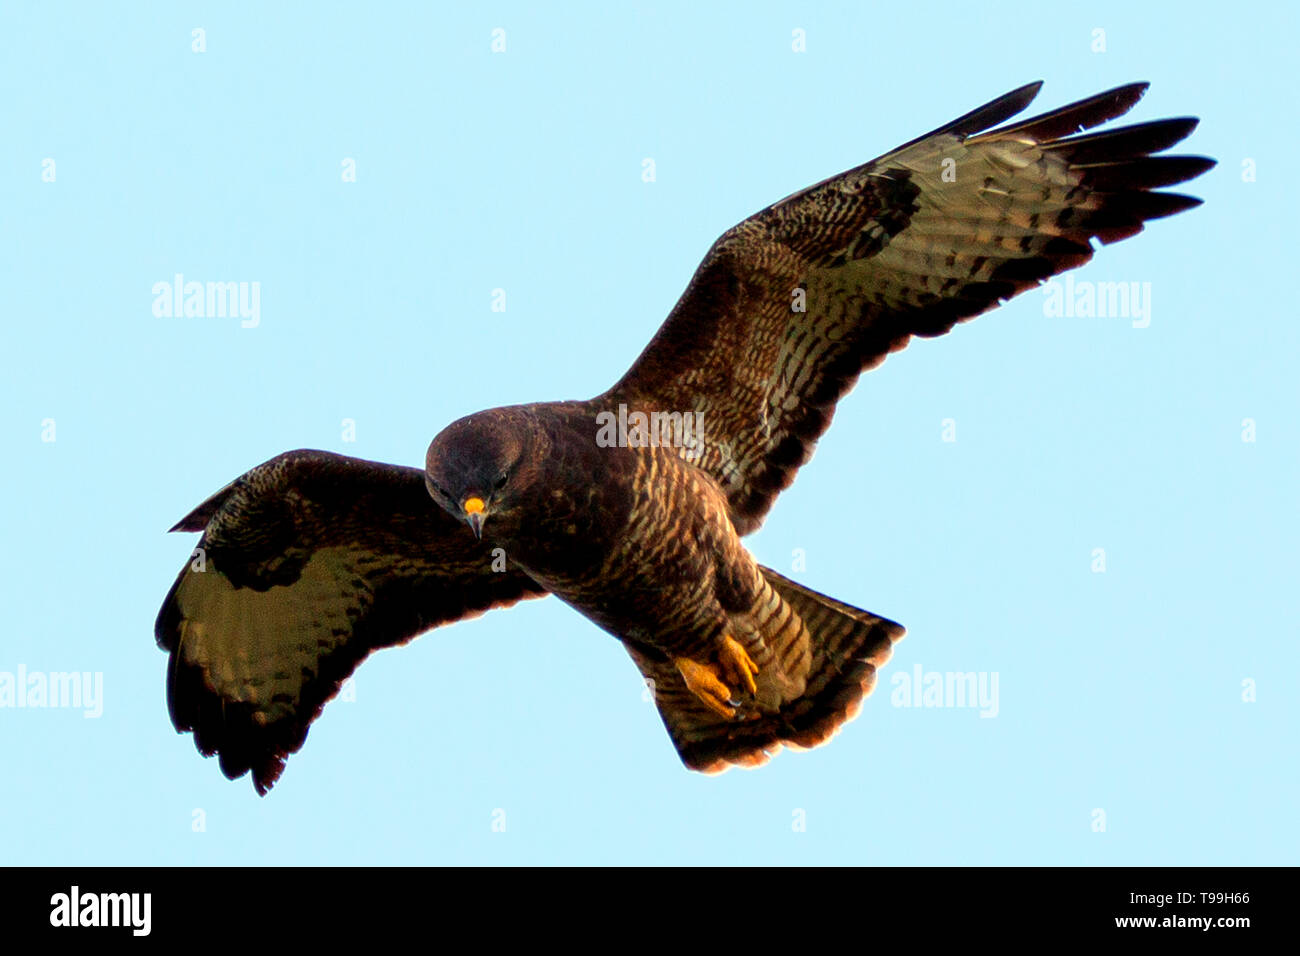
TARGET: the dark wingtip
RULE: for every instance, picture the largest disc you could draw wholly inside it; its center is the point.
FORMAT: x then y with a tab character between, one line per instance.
1124	142
1078	116
1029	91
996	111
1179	127
197	520
1186	167
986	116
1130	93
1175	203
1185	123
1148	172
1124	98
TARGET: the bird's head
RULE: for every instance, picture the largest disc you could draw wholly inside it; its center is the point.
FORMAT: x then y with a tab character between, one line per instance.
473	468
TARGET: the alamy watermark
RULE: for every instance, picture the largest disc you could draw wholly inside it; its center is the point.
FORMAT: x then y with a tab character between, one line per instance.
208	300
922	688
624	429
76	908
1086	299
68	690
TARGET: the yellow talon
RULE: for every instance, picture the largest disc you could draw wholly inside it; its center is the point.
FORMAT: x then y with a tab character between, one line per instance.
704	684
737	665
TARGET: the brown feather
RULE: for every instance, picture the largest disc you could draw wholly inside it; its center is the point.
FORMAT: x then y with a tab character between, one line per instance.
935	232
309	562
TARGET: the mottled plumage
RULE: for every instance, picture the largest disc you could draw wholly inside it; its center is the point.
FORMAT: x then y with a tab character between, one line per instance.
307	564
311	561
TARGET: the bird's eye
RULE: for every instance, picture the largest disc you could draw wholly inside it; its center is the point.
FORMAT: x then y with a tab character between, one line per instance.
501	481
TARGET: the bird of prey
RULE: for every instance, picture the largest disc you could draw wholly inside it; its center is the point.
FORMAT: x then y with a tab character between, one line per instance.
630	507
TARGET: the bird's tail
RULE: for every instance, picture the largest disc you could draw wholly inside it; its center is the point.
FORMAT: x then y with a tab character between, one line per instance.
819	662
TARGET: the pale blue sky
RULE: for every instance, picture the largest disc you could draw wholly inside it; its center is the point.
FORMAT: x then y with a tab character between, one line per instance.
1119	691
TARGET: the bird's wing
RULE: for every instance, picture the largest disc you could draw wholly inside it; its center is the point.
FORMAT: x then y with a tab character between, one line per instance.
791	305
307	564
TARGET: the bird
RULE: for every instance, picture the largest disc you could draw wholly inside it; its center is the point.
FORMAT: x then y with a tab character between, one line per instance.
631	507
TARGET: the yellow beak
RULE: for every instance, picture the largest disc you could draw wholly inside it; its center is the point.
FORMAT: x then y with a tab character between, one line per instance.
473	508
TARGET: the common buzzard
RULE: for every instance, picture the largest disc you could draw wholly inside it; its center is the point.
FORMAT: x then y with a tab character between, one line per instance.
630	507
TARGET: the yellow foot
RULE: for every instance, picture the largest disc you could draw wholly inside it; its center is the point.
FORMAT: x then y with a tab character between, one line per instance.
737	667
704	684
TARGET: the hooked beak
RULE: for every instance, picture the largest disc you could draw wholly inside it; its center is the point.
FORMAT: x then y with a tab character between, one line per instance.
475	515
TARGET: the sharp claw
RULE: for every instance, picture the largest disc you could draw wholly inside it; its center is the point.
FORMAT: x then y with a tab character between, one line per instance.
704	684
722	710
739	665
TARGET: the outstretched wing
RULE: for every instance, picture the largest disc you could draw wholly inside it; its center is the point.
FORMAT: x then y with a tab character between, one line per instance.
307	564
791	305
